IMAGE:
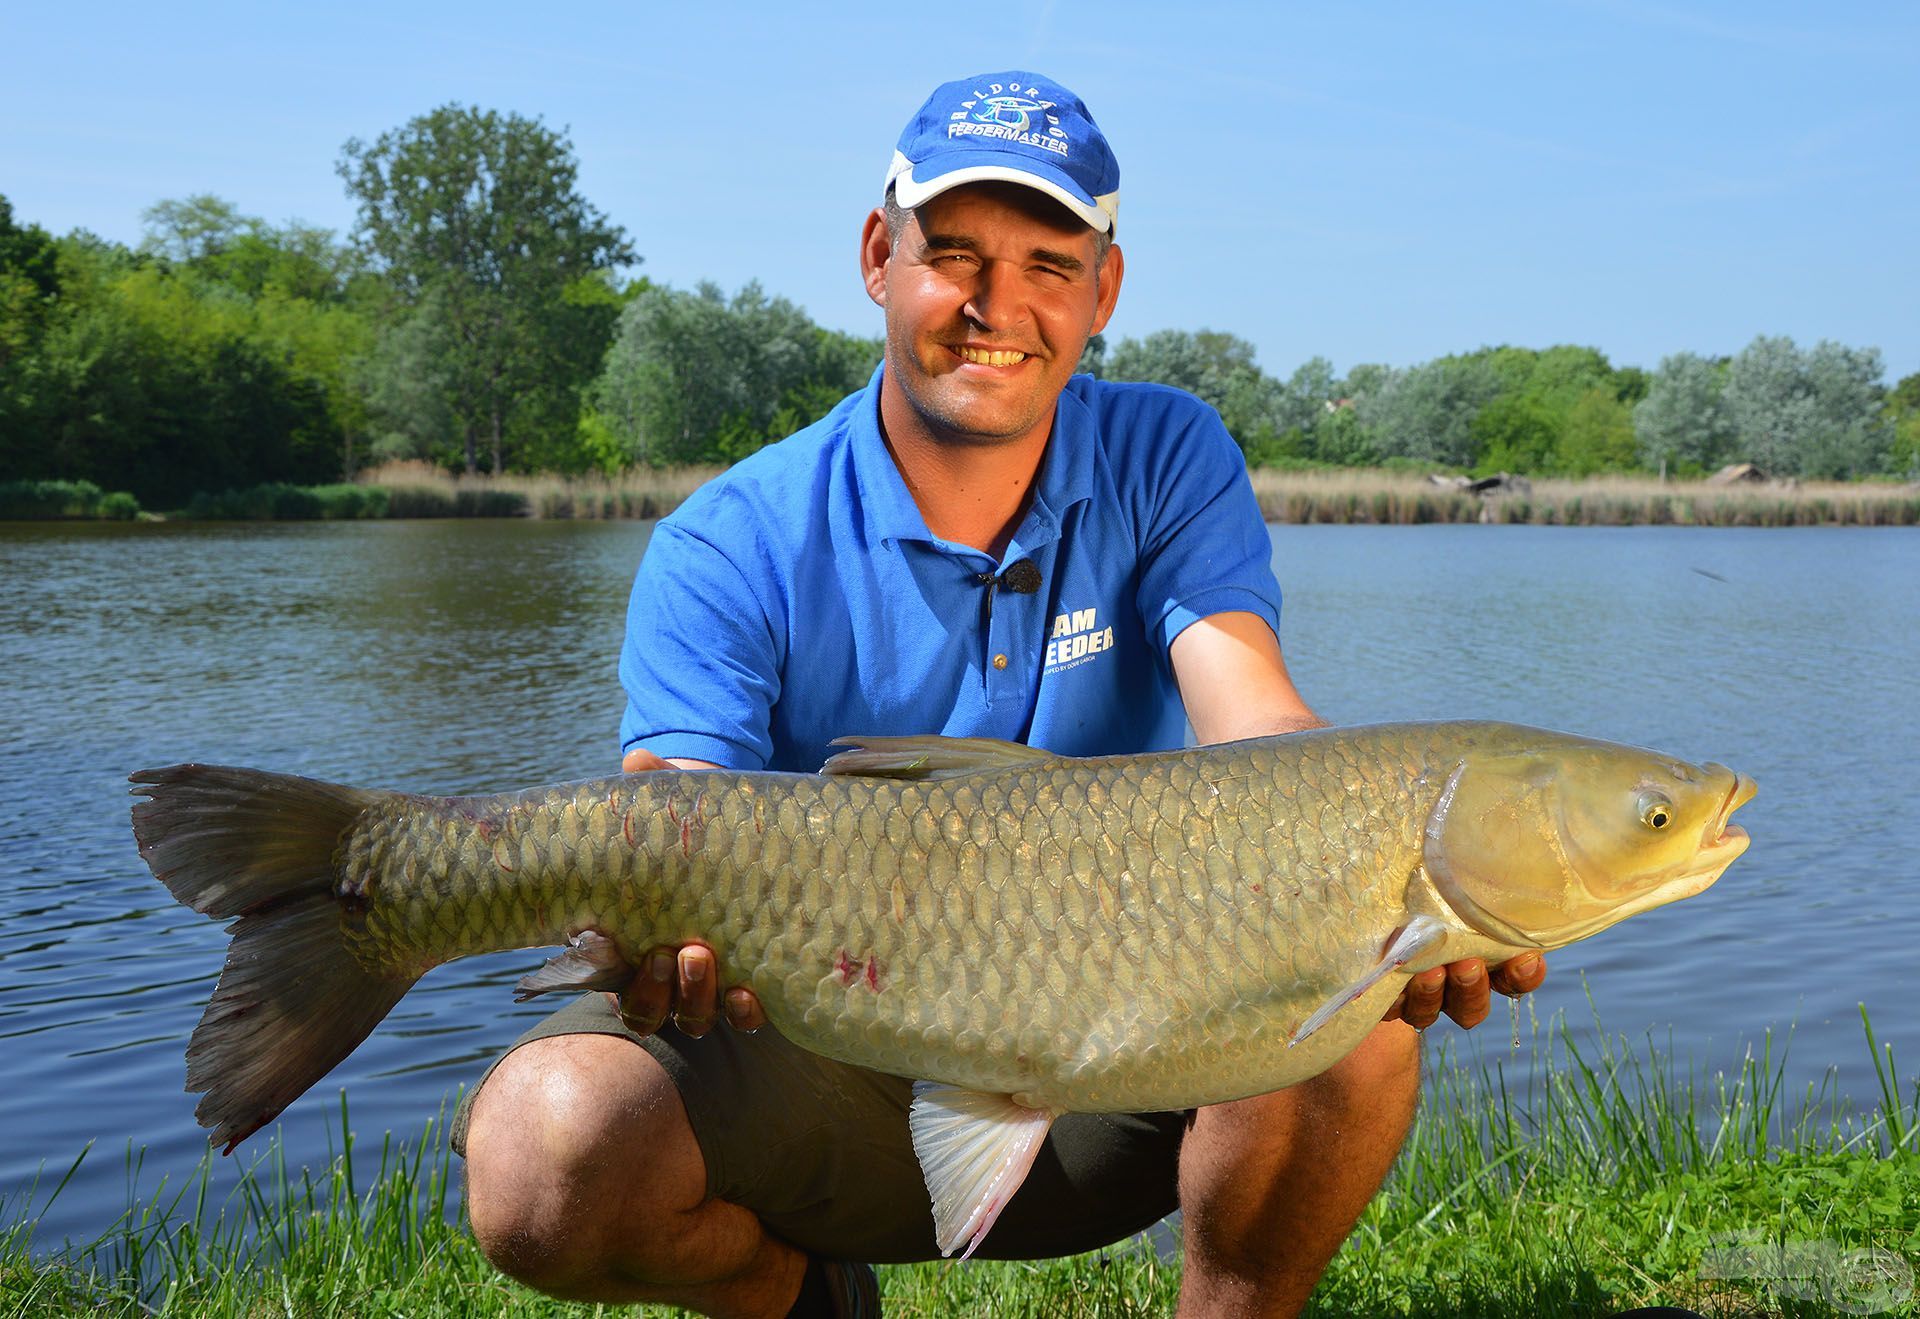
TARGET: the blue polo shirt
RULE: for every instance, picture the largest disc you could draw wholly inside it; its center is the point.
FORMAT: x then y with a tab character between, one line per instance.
800	597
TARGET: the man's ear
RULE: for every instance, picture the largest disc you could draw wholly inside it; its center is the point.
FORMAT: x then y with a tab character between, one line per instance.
1110	272
876	247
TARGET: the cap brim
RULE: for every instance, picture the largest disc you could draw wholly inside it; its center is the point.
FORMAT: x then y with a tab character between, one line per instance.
1098	213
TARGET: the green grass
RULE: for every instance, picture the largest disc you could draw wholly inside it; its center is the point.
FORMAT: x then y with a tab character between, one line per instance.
1616	1181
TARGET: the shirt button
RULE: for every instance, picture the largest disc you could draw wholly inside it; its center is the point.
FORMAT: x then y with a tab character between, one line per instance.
999	661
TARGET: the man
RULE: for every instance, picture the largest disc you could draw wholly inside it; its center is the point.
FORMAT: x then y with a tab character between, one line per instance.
977	543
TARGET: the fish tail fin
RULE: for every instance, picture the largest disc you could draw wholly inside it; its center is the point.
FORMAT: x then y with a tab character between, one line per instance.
293	999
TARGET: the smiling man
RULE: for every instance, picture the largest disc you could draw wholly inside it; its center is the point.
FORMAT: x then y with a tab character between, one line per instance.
979	543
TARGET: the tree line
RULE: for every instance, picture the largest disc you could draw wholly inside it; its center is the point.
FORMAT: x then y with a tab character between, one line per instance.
477	317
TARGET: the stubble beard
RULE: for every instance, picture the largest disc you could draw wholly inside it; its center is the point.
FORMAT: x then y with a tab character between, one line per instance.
952	412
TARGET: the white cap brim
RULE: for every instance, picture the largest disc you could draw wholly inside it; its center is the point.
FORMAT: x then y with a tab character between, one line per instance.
910	193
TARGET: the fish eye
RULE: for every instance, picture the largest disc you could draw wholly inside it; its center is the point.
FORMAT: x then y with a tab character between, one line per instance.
1656	811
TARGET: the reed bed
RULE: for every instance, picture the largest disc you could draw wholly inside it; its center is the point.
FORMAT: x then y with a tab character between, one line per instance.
421	490
1381	497
1366	496
1615	1180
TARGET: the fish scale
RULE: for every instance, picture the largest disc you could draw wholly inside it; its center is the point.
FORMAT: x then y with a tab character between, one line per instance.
1032	934
1129	899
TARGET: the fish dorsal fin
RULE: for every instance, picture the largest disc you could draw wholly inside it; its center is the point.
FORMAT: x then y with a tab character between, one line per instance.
974	1150
927	756
1422	934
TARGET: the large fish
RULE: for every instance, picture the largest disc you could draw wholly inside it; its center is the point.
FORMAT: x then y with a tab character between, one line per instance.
1028	934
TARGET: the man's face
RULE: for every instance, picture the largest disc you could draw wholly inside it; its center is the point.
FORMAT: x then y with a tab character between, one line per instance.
990	293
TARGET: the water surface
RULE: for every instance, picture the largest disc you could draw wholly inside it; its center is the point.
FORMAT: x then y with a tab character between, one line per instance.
462	656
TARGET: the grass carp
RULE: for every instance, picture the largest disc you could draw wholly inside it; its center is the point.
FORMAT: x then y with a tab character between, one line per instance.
1026	934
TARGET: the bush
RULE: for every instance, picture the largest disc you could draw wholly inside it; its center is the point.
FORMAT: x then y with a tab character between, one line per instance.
29	501
277	501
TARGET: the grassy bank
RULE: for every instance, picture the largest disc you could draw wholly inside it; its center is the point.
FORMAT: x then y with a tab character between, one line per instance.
1615	1182
1385	497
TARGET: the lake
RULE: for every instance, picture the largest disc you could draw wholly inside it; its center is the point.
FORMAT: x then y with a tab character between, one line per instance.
456	657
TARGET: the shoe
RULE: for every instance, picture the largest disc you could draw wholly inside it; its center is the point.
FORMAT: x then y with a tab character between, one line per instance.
837	1289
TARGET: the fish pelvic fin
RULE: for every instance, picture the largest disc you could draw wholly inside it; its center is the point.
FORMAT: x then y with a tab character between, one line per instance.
1422	934
292	999
592	961
928	756
974	1149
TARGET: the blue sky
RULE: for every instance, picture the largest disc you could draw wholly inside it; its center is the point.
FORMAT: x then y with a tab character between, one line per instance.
1370	182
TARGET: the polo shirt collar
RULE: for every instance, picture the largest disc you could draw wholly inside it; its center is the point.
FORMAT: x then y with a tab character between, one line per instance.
887	507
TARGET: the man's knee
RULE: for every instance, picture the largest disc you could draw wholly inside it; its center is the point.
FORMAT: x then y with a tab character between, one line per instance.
579	1157
1382	1072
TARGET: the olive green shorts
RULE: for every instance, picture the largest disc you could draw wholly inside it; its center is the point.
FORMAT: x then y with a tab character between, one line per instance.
819	1150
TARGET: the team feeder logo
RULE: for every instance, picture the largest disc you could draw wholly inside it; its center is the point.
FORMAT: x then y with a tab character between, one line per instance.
1010	112
1077	638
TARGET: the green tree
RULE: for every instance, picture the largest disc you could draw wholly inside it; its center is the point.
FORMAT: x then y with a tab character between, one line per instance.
1903	410
1220	369
29	287
1427	412
475	219
697	377
1683	423
1815	413
1597	435
194	228
1515	432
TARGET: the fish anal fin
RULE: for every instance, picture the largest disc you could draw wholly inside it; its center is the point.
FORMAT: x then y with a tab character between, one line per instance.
927	757
974	1150
1421	935
592	961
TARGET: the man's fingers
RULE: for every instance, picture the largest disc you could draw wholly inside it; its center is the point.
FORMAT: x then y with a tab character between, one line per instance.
645	1002
1467	994
1420	1001
698	1006
1522	975
743	1009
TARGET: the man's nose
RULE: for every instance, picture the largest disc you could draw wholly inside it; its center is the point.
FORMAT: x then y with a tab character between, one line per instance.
995	302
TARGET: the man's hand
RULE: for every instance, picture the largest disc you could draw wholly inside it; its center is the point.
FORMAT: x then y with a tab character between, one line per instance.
1463	990
682	983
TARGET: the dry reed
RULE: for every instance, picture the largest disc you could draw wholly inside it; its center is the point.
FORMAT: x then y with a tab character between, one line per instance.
1368	495
421	490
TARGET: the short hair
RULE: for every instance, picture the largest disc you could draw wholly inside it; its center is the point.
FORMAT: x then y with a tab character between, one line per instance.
897	222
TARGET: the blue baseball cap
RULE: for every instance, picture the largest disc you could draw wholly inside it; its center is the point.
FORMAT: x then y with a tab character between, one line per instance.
1012	128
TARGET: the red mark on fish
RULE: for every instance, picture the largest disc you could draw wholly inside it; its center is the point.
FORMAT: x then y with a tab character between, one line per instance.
851	971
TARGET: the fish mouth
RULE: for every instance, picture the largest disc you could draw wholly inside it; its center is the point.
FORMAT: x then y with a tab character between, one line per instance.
1722	841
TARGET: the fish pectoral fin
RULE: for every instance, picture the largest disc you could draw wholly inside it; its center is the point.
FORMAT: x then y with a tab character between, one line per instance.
974	1150
1420	935
592	961
927	757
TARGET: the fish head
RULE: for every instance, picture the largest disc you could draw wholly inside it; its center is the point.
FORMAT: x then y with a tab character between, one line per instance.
1544	845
